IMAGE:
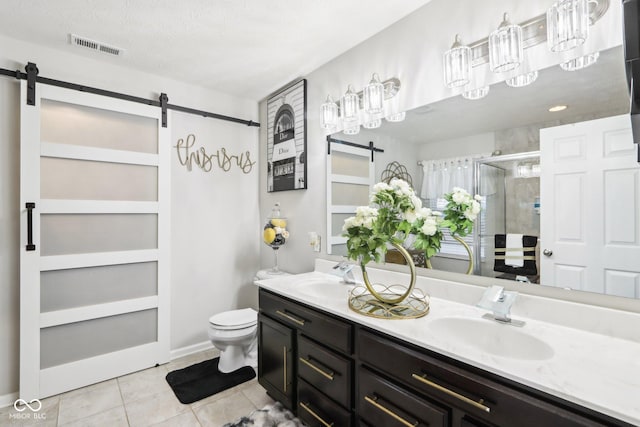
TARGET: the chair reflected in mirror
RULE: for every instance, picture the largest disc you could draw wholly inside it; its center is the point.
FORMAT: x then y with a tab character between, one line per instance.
516	257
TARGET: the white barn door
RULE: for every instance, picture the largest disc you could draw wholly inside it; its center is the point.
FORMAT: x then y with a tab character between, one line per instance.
94	263
590	207
350	178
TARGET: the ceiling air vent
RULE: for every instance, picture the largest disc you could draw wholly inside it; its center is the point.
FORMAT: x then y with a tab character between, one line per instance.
95	45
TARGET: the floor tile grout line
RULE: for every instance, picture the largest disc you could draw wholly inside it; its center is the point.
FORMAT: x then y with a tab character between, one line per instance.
124	406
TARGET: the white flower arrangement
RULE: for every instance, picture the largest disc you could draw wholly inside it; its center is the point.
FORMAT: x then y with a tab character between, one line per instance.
461	211
397	213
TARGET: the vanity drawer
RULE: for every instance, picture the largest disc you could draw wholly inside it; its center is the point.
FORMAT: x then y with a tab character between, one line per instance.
480	397
384	404
316	410
328	330
327	371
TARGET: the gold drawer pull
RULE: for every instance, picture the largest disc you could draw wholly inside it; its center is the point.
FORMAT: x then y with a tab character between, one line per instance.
314	415
478	404
307	362
389	412
293	319
284	368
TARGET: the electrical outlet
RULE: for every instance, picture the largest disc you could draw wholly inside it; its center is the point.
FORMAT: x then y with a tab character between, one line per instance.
314	241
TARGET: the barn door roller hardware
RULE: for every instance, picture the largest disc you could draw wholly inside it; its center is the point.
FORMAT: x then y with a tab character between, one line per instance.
31	76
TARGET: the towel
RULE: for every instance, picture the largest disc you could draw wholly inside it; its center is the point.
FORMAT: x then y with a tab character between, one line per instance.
514	249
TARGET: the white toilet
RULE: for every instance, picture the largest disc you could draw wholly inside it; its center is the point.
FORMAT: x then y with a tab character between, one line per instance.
234	334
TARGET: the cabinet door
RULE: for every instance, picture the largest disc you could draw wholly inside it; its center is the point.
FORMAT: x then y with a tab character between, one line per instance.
275	359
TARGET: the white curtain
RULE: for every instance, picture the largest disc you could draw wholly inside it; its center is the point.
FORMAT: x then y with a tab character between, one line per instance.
441	175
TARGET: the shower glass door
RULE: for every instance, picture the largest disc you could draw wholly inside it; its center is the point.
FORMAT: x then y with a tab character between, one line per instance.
490	183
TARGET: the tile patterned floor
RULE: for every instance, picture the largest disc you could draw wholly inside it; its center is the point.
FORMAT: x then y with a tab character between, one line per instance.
143	399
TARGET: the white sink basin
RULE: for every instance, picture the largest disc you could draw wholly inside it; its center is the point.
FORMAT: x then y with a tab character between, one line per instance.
492	337
322	288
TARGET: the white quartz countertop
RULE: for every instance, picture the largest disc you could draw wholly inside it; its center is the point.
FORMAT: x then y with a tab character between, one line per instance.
593	370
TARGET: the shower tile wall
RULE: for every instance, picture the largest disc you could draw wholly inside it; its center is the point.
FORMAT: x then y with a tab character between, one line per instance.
521	217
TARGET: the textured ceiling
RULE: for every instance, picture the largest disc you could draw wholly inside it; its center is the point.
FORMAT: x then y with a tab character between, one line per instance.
246	48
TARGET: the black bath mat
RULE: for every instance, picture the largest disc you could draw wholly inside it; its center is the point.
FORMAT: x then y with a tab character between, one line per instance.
203	379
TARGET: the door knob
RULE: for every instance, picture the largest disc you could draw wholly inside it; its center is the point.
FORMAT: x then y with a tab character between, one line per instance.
547	252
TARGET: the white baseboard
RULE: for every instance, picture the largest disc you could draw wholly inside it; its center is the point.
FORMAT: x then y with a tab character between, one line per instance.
8	399
190	349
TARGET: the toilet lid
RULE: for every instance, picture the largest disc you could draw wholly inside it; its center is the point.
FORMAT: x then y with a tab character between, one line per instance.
235	319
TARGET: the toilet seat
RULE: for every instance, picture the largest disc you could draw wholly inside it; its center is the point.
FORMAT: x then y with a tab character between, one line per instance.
234	319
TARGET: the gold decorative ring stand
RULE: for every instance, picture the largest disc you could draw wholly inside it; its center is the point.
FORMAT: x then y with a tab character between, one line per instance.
390	302
469	253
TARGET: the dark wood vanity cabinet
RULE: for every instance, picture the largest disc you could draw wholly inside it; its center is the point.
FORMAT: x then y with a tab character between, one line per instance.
319	365
333	372
473	398
275	359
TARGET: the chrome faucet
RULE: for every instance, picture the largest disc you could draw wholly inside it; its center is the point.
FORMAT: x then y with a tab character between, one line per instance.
344	270
499	302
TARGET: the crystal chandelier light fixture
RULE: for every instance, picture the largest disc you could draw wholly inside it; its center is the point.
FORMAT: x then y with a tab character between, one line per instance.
352	129
373	96
349	108
505	47
366	108
567	24
329	111
522	79
476	93
580	62
564	26
457	64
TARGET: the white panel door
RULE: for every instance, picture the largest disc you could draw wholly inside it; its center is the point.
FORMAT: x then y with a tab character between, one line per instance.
350	178
590	207
94	273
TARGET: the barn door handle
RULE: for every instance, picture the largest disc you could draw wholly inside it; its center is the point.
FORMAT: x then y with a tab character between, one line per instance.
30	207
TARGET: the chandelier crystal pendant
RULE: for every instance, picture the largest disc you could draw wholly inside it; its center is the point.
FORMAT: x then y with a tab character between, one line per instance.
505	47
580	62
476	93
567	24
349	108
352	129
329	114
522	79
457	64
373	96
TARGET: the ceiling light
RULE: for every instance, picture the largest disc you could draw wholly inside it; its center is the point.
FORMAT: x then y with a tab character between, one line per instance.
457	64
373	96
505	47
557	108
522	79
567	24
580	62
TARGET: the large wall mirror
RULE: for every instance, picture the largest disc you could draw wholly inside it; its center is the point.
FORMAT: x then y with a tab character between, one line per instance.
492	146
